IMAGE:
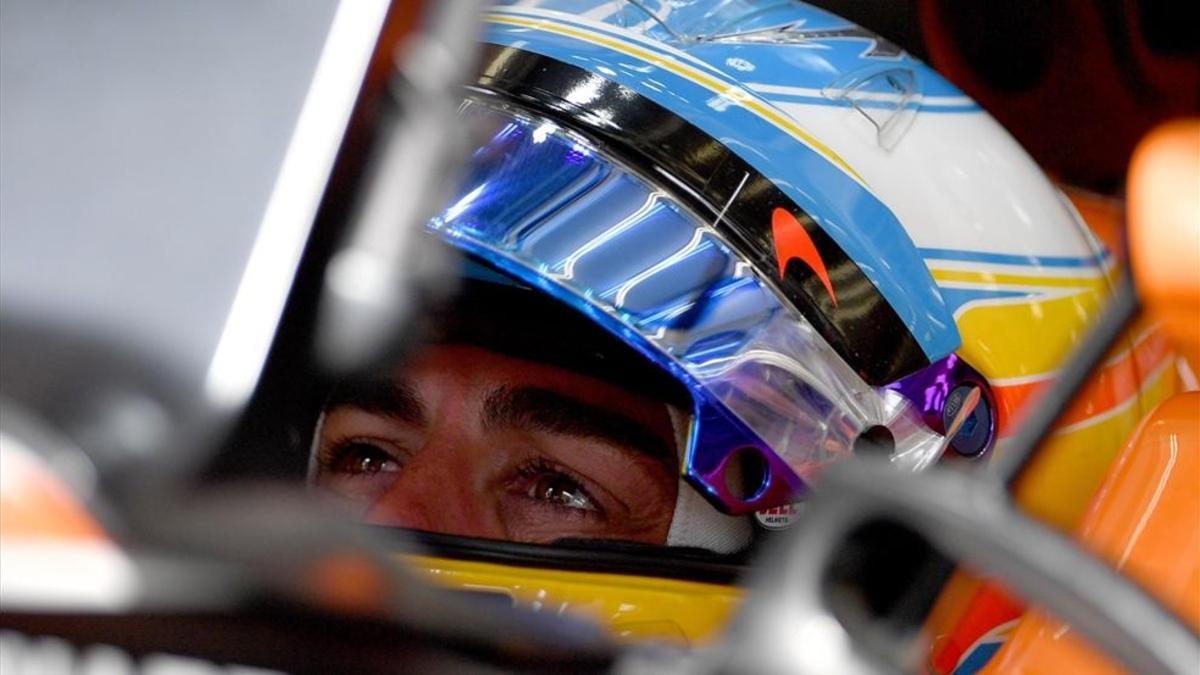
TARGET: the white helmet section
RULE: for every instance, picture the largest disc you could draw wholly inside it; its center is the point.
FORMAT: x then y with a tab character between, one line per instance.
967	185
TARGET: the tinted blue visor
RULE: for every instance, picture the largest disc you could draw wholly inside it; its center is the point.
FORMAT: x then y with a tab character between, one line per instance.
557	213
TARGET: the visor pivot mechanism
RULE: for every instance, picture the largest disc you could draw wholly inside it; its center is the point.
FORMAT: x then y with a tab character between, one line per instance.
876	440
967	418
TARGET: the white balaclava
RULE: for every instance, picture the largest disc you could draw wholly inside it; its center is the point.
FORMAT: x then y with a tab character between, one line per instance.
696	522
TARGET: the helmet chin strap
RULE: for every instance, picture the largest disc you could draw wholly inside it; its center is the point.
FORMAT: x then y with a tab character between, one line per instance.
695	522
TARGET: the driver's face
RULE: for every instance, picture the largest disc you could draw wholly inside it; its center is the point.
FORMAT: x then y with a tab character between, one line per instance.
466	441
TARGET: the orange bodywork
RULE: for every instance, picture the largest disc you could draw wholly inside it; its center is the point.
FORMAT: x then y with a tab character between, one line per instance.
1136	376
1145	522
35	504
1164	237
1145	517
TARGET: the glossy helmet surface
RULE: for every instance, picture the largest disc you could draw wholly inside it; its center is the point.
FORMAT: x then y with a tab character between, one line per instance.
816	234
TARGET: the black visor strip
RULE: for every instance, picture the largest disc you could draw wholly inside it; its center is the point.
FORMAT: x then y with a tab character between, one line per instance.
862	327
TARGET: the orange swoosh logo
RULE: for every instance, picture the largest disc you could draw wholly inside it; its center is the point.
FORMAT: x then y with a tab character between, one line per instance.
793	243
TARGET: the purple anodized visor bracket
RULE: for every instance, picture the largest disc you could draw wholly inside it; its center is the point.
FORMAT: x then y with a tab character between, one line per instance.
726	459
718	467
939	389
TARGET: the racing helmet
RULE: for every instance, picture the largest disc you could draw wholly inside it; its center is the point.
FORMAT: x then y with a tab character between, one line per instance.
823	246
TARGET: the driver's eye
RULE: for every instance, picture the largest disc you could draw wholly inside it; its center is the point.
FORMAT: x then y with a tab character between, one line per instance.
561	491
363	458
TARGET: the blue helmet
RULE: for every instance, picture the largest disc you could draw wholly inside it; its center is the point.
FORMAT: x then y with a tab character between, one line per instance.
635	164
810	244
826	246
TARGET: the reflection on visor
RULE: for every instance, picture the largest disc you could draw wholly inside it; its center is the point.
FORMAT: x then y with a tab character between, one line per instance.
552	210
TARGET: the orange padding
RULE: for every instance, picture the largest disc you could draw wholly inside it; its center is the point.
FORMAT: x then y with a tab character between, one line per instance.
34	504
1164	230
1144	521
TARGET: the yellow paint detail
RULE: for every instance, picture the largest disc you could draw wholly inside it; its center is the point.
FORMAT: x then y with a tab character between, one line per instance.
1026	338
1060	484
992	279
735	94
632	607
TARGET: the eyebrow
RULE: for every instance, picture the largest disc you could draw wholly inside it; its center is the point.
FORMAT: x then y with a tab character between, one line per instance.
391	398
543	410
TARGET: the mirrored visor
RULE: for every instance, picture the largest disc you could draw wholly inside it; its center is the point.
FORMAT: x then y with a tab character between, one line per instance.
773	403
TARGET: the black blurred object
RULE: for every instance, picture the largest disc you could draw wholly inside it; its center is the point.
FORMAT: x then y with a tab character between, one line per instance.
894	20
